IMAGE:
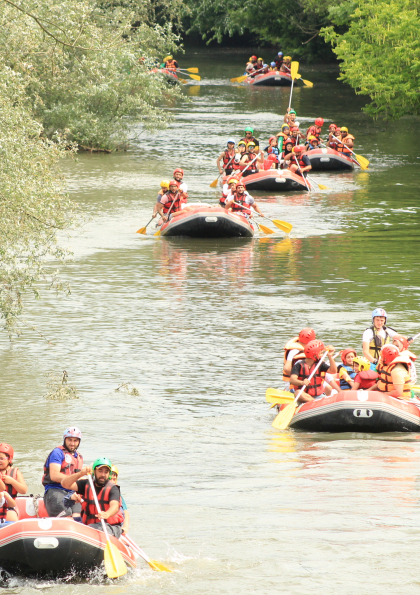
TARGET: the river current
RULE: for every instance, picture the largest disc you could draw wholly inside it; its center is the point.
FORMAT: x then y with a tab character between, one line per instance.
198	327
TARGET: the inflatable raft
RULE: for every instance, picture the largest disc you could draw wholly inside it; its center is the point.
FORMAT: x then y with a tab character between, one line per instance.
329	160
270	79
274	179
37	543
358	411
170	75
207	221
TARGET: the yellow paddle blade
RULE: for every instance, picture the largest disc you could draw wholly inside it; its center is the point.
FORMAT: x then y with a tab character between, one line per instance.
191	70
155	565
157	233
114	562
239	79
273	395
416	387
294	67
265	229
285	416
141	230
364	163
307	83
195	77
283	225
214	184
183	81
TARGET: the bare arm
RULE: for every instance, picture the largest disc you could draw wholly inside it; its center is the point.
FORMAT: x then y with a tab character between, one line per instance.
19	483
114	507
9	500
366	351
69	481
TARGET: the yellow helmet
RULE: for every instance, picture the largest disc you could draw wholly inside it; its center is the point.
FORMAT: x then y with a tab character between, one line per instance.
262	59
344	129
311	137
287	58
363	362
251	144
114	469
164	184
168	58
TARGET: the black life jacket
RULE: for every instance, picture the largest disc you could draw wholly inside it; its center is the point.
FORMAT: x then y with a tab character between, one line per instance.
377	342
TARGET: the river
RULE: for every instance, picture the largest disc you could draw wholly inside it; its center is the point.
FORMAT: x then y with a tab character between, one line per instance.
198	328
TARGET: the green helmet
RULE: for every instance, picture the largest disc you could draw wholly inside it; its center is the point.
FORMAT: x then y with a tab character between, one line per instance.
102	462
292	111
249	129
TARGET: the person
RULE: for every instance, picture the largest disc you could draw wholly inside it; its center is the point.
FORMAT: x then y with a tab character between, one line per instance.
283	135
164	187
333	130
403	345
7	507
273	66
179	179
11	477
300	163
312	143
251	157
295	135
285	67
347	141
63	461
108	495
294	350
346	372
315	129
290	116
303	368
288	152
170	63
250	67
394	373
228	189
249	137
171	202
279	60
241	202
377	335
259	65
226	158
123	505
365	378
272	148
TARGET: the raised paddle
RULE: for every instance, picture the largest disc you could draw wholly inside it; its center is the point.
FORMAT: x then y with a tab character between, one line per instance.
320	186
154	564
294	67
170	209
285	416
114	563
216	181
362	161
143	229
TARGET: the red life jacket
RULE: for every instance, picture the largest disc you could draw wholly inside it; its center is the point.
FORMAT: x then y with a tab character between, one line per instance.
299	160
170	65
228	158
70	465
3	511
293	140
313	131
316	385
177	203
243	207
89	510
12	472
367	379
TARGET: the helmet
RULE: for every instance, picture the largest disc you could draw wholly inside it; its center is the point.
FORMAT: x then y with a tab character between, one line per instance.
280	53
173	183
345	353
240	183
311	137
251	144
344	129
306	335
229	141
314	349
294	129
332	126
114	469
319	122
249	129
102	462
287	58
272	138
253	57
242	142
265	65
6	449
262	59
272	64
232	181
178	170
402	340
164	184
72	433
389	353
379	312
299	149
283	126
168	58
292	111
364	364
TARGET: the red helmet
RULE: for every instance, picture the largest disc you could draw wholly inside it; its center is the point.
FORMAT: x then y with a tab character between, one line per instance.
299	149
389	353
253	57
306	335
272	138
6	449
178	170
240	183
402	340
345	353
332	126
173	183
319	122
314	349
272	157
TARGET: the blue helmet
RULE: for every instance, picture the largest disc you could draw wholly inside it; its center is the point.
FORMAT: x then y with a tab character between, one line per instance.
272	64
379	312
280	54
231	141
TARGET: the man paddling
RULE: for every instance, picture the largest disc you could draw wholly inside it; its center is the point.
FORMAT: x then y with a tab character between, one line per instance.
171	202
303	368
241	202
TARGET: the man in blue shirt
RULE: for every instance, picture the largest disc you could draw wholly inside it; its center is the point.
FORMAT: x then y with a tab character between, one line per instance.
62	461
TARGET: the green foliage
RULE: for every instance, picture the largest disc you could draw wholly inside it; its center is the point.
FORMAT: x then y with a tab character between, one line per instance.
380	55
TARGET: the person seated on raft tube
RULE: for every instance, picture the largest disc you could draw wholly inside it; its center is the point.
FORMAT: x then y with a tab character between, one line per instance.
346	141
273	67
333	130
179	179
284	134
279	60
288	152
108	495
377	335
285	67
228	190
258	67
403	343
346	371
290	116
11	479
169	63
394	373
7	506
315	129
241	202
252	156
225	161
164	188
294	350
365	378
123	505
171	201
299	163
249	137
251	64
302	369
312	143
63	461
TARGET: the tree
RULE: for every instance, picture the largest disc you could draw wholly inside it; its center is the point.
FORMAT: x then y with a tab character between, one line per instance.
380	55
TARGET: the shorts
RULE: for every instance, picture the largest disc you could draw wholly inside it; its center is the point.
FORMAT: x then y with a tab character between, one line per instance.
115	530
57	501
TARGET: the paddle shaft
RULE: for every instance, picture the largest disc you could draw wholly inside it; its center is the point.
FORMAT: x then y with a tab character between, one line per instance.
301	173
313	180
95	497
340	141
137	549
310	377
148	223
291	93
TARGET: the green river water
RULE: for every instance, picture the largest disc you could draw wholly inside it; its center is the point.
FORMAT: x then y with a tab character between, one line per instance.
198	327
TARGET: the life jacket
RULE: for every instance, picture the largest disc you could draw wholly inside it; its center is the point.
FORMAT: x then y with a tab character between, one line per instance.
316	385
293	140
170	65
290	346
300	161
70	465
385	384
378	342
242	207
279	63
89	510
177	203
12	472
3	511
228	158
344	385
342	147
252	168
367	379
314	131
252	139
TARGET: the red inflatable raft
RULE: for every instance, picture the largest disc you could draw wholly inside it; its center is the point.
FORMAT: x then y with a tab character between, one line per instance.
207	221
37	543
170	75
274	179
358	411
329	160
270	79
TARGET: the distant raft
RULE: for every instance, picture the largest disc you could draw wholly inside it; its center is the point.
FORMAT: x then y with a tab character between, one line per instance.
329	160
281	180
207	221
170	76
270	79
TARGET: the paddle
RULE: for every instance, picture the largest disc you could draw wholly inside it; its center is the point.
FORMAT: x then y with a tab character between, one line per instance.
240	79
275	396
285	416
320	186
196	77
114	563
301	173
263	228
216	181
143	229
293	73
362	161
154	565
305	82
170	209
283	225
195	70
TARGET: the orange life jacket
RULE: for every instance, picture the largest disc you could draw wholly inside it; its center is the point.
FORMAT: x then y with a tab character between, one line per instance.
89	510
70	465
342	147
290	346
385	383
177	200
11	472
170	65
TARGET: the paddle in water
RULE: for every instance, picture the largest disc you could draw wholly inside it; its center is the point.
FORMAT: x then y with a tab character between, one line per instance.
143	229
320	186
362	161
154	564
